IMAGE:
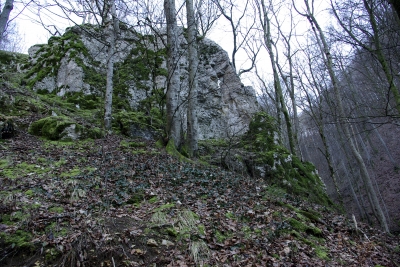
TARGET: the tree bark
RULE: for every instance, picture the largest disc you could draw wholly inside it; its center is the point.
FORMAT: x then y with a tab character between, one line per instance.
265	21
4	16
173	127
192	123
113	30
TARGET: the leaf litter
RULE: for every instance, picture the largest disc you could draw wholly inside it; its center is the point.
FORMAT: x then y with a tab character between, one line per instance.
97	203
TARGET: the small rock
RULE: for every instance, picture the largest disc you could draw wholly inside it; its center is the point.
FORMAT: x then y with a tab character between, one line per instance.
167	243
286	250
152	243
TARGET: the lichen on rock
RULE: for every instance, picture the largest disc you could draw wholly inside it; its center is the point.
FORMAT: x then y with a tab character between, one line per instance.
75	62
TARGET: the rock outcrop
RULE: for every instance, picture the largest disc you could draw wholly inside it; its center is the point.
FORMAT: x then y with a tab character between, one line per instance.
75	63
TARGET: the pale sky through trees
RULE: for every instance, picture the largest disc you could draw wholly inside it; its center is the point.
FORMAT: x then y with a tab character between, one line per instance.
32	32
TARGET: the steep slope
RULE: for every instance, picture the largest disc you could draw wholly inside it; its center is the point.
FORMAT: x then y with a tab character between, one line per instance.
117	201
123	202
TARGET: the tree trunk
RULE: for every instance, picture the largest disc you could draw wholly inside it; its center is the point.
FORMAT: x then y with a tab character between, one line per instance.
173	126
4	16
192	123
265	21
113	28
323	45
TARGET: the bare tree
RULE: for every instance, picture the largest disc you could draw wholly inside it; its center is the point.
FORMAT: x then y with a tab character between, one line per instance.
113	31
5	16
342	120
265	21
358	19
192	123
207	13
173	127
241	34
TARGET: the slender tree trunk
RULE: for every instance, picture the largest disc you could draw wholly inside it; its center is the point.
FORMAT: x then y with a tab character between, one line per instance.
173	127
113	30
375	49
4	16
192	123
381	57
277	84
319	34
353	193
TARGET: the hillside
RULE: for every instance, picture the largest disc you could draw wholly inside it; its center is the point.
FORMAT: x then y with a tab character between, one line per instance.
118	201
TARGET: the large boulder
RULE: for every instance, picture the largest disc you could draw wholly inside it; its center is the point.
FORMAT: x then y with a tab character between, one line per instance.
76	62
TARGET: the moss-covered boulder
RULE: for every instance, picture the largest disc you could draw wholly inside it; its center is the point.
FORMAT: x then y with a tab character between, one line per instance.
259	154
137	125
63	128
12	66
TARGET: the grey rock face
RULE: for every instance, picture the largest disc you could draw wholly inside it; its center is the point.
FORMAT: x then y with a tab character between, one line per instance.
225	105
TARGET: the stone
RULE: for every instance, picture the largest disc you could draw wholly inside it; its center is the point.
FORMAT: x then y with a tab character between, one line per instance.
70	133
167	243
152	243
225	105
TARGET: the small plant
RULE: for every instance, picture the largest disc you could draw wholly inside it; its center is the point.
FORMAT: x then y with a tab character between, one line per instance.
200	252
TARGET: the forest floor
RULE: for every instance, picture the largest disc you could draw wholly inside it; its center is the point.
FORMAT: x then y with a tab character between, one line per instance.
120	202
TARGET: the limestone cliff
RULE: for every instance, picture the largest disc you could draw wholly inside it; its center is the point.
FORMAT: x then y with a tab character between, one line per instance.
75	62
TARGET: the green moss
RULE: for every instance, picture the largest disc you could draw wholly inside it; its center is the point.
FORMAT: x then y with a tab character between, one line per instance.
220	238
172	231
132	144
164	207
10	63
136	198
4	163
57	230
50	56
153	200
123	120
71	173
302	227
171	149
56	209
22	169
90	102
52	254
50	127
61	162
230	215
29	193
19	239
201	229
322	253
282	169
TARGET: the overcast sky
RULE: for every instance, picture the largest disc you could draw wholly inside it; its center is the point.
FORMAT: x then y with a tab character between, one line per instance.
33	33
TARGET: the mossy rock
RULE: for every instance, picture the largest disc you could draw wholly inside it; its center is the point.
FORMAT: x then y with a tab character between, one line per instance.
304	228
171	149
281	168
55	128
